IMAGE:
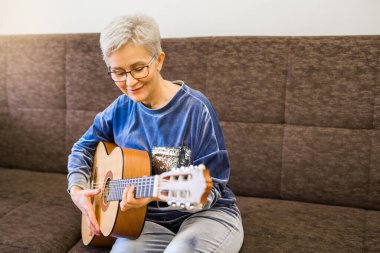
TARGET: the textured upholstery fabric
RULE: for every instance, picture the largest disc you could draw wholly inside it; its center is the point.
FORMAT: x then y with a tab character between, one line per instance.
239	84
80	248
36	75
287	226
88	87
255	152
374	175
300	115
187	60
326	165
36	213
3	90
332	82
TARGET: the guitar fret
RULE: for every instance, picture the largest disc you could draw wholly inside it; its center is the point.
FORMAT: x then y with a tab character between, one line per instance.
152	186
144	187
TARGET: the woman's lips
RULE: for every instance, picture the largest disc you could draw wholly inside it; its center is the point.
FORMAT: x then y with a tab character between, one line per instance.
135	90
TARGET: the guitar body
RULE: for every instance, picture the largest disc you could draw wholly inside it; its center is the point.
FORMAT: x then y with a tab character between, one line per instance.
113	163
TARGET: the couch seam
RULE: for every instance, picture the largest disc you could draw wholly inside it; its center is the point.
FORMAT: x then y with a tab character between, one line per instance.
65	87
16	208
207	66
295	125
372	135
6	75
284	123
364	232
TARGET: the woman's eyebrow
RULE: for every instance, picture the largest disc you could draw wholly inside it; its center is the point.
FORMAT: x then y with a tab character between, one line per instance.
132	66
116	68
138	63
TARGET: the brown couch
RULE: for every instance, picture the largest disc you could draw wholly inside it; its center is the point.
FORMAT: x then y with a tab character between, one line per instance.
300	115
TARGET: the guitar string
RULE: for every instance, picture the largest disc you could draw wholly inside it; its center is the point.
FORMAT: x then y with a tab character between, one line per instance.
118	192
132	180
127	180
138	180
147	184
124	183
122	186
143	187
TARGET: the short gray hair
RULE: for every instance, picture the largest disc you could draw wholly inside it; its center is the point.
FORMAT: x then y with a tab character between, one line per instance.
135	29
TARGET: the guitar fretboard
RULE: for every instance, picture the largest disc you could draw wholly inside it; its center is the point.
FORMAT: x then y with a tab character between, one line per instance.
144	187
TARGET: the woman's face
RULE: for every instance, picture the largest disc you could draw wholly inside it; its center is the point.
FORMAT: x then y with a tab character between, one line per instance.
132	57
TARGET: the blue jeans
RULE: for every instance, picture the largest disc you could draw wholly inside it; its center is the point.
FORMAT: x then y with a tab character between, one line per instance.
210	230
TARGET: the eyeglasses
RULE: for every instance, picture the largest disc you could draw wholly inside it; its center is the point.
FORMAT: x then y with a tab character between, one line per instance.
137	73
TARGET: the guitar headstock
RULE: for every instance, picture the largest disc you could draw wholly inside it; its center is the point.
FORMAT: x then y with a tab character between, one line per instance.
186	187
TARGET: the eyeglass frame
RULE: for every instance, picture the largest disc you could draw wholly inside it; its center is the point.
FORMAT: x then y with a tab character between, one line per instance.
130	72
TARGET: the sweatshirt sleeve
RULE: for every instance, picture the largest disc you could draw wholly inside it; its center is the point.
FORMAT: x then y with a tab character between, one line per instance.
82	153
211	151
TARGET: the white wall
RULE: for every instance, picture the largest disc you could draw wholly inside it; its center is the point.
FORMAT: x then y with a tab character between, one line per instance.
185	18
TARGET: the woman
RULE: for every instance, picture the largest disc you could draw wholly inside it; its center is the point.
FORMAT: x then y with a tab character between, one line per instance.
177	126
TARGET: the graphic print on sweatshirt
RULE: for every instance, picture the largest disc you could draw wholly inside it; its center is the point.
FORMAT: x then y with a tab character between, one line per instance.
166	158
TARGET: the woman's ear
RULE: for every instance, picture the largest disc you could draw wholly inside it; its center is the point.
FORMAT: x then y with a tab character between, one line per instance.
160	61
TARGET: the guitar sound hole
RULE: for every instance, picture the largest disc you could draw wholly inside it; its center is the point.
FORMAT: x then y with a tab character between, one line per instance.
106	191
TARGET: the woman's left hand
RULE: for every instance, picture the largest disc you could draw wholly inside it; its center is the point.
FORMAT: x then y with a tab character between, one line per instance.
128	201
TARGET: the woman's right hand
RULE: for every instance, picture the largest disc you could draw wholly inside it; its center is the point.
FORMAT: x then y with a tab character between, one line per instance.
82	199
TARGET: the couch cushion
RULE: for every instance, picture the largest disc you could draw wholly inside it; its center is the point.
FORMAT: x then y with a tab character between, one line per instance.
36	72
288	226
376	119
80	248
374	173
36	213
331	81
326	165
77	123
372	232
32	79
246	78
186	60
88	87
255	171
3	90
33	139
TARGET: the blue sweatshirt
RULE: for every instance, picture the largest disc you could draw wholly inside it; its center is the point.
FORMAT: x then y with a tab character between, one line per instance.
185	131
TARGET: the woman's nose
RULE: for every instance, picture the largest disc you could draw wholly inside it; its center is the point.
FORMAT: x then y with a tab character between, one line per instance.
130	81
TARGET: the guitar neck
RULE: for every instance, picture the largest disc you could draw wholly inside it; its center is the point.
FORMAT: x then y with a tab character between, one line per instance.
145	187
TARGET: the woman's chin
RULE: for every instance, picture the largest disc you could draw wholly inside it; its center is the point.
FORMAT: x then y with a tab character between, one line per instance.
135	98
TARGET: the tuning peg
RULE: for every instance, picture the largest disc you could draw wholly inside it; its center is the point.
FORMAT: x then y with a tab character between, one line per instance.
182	205
177	169
202	167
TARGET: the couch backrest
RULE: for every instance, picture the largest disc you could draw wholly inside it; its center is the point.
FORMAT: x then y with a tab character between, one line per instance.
300	115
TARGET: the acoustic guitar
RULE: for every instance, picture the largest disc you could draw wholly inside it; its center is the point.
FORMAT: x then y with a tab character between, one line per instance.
114	168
